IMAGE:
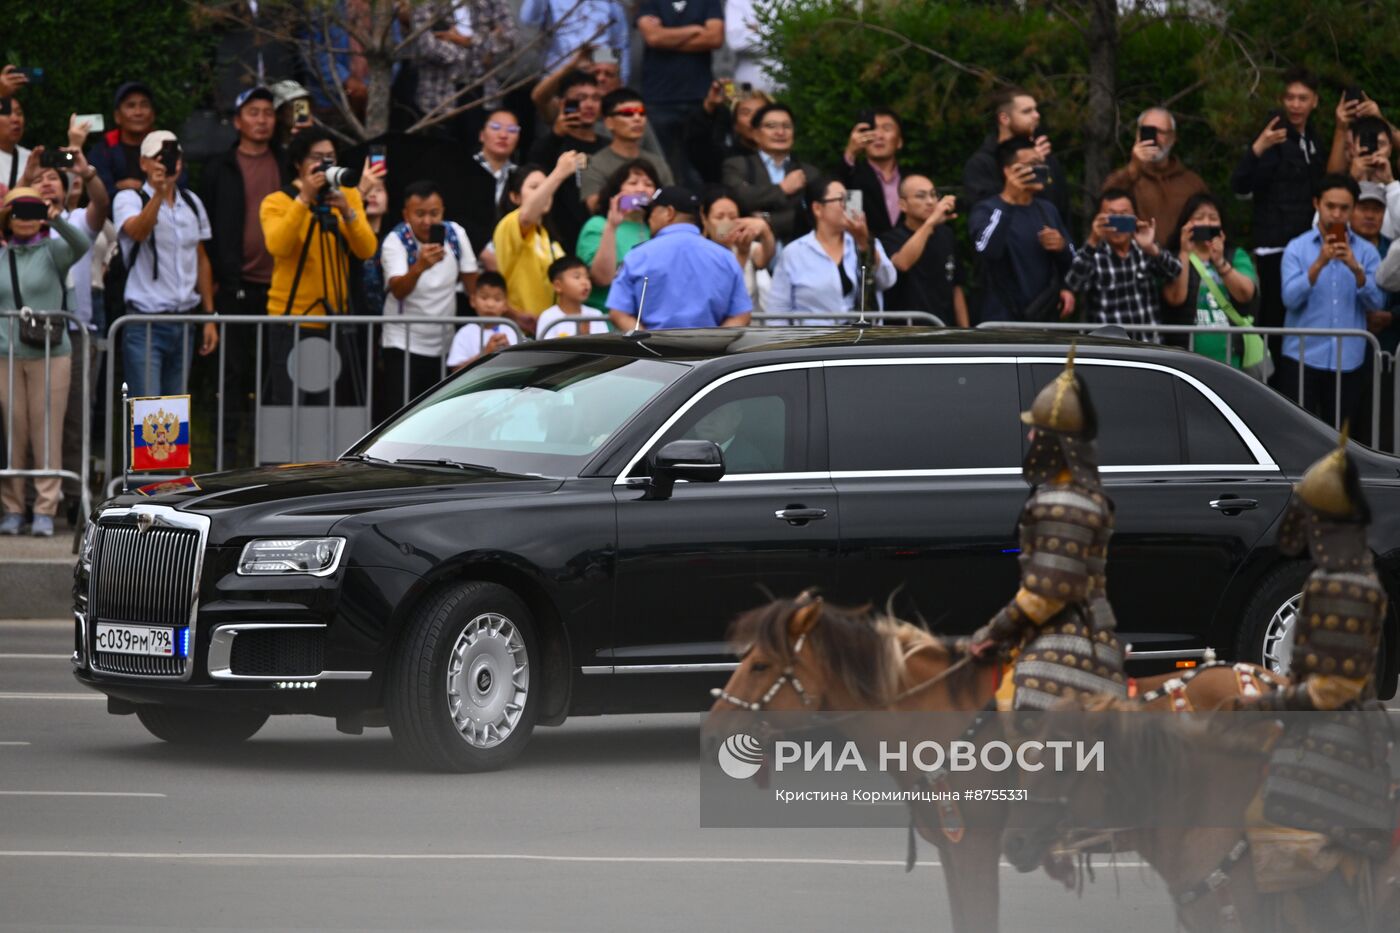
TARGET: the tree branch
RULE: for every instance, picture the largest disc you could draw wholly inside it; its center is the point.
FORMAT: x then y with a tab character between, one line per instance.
974	70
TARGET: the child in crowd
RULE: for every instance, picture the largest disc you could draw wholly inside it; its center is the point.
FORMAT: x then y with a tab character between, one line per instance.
572	285
476	340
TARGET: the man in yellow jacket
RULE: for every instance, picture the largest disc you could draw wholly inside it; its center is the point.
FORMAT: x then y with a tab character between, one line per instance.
315	232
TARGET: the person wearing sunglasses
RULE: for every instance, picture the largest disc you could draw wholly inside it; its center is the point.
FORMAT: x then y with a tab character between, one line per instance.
476	192
625	117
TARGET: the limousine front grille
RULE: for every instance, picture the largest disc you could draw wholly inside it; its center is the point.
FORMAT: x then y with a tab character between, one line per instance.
145	571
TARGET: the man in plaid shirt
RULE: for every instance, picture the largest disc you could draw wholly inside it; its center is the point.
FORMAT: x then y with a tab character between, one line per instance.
1121	270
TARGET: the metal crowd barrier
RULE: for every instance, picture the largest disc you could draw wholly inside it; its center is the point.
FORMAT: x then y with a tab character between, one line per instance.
795	319
303	327
78	341
1380	359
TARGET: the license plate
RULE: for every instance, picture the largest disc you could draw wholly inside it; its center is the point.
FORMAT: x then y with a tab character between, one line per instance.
137	639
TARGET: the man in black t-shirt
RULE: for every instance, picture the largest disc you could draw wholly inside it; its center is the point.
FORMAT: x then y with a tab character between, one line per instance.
680	36
922	248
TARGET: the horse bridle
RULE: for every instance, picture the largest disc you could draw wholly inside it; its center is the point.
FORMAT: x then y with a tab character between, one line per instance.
788	676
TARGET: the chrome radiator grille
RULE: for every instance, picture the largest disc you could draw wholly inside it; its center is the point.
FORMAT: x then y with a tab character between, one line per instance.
143	577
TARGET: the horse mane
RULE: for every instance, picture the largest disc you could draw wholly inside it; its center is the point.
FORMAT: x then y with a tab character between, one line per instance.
864	651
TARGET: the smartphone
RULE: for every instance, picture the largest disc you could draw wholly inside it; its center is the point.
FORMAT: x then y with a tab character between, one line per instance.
1040	174
1336	231
1204	233
571	108
95	122
376	159
855	203
1370	140
1352	92
35	75
723	228
632	202
301	110
604	56
729	89
53	158
1282	118
437	233
1122	223
170	156
866	116
1147	134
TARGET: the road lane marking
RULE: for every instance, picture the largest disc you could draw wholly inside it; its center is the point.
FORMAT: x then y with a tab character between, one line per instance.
76	793
485	857
35	657
14	743
52	696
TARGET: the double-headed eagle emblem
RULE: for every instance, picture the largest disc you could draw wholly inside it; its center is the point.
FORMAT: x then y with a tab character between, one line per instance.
161	431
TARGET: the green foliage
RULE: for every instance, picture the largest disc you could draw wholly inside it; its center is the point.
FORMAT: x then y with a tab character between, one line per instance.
88	47
838	57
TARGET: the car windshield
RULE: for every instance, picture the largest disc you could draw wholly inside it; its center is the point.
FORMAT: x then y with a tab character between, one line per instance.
525	412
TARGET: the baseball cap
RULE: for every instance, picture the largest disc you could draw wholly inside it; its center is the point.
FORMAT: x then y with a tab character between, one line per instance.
682	199
132	87
253	93
284	92
1371	191
150	146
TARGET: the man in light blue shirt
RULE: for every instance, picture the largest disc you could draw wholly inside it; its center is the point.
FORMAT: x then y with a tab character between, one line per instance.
1329	281
689	280
600	23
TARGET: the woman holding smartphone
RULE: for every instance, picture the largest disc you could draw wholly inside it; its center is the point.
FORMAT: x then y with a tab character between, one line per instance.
821	271
750	239
1217	286
619	225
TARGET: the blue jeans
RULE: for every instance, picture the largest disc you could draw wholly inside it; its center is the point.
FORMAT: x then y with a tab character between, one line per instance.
162	369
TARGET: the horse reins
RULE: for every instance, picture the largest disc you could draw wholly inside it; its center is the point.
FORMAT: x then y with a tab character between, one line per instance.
788	676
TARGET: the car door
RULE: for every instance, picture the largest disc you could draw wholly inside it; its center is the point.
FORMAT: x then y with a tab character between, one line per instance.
1194	491
687	565
925	457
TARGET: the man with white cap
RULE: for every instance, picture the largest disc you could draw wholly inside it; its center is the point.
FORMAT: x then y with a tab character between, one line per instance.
162	232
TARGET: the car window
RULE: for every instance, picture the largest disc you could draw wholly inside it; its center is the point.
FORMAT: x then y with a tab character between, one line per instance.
759	422
1210	438
923	416
1137	412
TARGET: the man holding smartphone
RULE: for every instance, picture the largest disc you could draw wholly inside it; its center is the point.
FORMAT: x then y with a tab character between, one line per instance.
573	131
1121	271
1159	183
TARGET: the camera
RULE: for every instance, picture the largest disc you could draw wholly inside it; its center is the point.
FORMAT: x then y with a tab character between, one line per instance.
54	158
338	176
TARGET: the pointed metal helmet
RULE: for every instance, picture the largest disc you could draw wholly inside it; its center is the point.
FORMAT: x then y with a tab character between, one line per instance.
1063	406
1331	486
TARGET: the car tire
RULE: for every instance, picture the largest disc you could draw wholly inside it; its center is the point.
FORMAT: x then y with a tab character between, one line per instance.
1270	615
463	687
180	725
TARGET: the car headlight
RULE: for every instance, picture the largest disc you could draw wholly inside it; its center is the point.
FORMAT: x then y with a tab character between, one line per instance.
317	557
85	548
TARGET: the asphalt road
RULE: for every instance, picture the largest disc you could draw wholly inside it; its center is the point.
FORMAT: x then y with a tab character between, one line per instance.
595	828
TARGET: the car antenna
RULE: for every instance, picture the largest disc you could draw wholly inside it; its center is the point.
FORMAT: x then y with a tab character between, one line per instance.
864	271
641	303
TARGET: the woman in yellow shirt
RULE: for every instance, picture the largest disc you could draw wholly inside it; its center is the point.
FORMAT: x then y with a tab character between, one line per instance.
524	248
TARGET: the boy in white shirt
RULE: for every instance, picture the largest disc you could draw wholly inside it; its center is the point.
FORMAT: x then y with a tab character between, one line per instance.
572	286
474	340
424	261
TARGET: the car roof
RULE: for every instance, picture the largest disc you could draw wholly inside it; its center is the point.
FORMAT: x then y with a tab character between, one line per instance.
721	342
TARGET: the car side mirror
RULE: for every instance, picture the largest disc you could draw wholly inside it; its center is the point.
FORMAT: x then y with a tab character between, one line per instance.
695	461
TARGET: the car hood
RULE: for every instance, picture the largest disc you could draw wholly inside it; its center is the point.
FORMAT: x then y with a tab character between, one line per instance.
320	494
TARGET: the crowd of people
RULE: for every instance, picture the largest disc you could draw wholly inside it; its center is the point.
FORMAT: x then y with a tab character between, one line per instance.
657	194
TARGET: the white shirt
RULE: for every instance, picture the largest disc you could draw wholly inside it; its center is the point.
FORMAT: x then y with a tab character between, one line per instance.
555	313
80	273
742	35
177	235
435	295
13	164
470	339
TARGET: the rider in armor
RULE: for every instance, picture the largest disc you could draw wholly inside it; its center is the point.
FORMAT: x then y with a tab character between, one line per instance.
1059	628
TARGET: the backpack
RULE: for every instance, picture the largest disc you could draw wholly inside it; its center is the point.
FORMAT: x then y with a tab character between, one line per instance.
114	284
410	242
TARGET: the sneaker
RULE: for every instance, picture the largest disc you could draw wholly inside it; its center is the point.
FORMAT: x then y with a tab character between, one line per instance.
42	526
10	524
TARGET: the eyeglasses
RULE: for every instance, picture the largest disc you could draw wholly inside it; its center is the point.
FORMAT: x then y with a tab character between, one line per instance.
513	129
637	111
840	198
775	127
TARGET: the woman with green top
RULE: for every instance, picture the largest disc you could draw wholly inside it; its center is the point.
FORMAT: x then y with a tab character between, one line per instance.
609	236
1217	287
33	272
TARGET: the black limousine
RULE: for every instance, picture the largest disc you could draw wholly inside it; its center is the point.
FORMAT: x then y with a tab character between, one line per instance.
567	529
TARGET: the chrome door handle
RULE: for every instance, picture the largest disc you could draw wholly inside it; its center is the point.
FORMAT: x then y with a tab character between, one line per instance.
798	515
1230	505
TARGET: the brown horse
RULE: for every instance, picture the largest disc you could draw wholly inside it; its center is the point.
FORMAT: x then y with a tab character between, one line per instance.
1191	829
803	654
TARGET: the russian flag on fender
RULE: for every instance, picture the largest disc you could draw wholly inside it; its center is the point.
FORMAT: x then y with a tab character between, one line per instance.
160	433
